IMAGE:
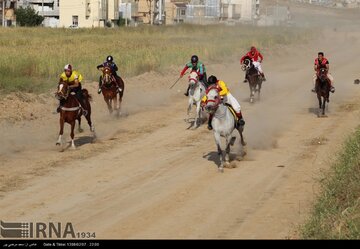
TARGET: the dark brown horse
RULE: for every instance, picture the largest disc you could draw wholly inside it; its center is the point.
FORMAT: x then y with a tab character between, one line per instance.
109	90
322	89
71	110
253	77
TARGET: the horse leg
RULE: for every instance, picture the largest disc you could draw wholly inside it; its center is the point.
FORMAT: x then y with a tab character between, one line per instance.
319	99
259	89
240	130
79	120
251	93
221	155
198	114
107	100
323	106
59	141
189	107
227	150
72	135
116	105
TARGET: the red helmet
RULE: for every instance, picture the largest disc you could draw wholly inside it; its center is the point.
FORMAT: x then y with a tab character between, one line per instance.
68	67
253	49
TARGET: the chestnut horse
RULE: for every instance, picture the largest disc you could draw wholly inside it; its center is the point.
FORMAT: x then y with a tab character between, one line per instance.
109	90
71	110
322	89
253	77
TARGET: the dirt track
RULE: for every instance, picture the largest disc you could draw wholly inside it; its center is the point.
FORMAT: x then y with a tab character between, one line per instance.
148	176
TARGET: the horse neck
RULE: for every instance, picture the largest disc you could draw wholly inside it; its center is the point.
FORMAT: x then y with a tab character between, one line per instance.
71	101
221	112
194	88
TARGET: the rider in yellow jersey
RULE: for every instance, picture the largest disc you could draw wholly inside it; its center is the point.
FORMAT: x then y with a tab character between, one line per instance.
227	98
73	78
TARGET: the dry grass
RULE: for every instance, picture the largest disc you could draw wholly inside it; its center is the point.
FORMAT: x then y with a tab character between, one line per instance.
32	58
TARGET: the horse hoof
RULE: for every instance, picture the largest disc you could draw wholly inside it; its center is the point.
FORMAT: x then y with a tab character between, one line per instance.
58	144
221	170
81	130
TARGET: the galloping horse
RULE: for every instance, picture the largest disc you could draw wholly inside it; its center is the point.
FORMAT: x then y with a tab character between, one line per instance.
109	90
71	110
322	89
196	92
223	124
255	81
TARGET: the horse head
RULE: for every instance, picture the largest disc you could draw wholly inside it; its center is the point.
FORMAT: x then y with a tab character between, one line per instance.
247	64
63	90
213	99
107	77
193	79
323	73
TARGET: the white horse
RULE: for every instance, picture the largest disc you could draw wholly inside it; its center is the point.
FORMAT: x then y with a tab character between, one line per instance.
196	93
223	124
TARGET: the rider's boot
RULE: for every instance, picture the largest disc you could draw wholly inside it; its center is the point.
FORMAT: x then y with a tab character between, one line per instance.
187	91
245	80
241	121
263	76
209	122
80	98
99	90
332	89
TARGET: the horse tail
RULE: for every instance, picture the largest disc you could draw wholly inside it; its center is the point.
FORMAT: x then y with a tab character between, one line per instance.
86	94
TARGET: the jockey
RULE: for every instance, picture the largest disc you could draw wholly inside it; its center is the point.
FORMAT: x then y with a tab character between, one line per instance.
227	97
73	78
197	66
256	58
322	61
109	63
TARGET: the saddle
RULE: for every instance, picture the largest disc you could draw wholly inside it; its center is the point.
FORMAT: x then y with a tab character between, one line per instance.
231	109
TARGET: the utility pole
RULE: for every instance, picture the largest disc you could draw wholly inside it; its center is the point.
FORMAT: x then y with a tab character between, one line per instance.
3	13
126	13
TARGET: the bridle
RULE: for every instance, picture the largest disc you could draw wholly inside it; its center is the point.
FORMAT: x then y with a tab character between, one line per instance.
246	65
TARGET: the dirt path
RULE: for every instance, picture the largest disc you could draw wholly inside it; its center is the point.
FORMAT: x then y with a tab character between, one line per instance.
148	176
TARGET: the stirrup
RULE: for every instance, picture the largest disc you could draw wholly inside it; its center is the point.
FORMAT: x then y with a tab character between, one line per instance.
245	81
84	112
99	90
332	89
186	94
313	90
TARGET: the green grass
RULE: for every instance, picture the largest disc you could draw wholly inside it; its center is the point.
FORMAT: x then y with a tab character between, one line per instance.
32	58
336	214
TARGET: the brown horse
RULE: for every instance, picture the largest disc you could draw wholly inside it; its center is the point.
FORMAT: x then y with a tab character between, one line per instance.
109	90
322	89
253	77
71	110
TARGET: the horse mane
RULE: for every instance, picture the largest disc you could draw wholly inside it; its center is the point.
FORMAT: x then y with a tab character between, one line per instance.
87	94
247	57
211	88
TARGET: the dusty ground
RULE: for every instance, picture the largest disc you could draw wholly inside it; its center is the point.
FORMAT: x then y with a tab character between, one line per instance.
148	176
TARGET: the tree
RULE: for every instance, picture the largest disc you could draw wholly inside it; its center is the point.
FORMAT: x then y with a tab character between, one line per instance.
28	17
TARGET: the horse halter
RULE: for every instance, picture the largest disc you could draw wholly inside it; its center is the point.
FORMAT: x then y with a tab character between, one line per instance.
212	108
63	91
107	77
322	73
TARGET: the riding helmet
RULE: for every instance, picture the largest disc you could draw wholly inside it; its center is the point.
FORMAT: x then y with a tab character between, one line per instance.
212	80
109	58
194	59
68	67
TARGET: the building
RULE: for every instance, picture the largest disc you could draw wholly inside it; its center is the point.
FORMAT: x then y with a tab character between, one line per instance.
7	12
49	9
88	13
